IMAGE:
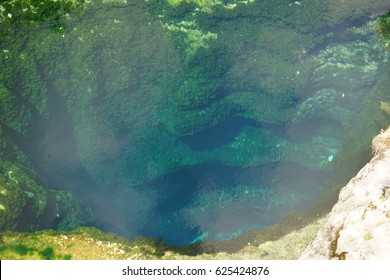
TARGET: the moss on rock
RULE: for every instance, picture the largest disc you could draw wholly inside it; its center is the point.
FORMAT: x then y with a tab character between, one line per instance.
71	213
25	205
12	202
23	201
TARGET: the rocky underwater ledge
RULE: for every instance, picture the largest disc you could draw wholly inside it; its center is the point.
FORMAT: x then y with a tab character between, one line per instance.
358	227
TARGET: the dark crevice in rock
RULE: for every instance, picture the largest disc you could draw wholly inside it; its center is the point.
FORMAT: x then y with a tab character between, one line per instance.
333	248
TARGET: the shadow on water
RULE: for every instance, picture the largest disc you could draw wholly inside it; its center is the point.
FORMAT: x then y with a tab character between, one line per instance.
217	135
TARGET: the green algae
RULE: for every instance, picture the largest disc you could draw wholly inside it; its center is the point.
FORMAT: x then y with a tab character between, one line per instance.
269	61
208	5
11	205
14	114
27	206
384	29
22	200
19	73
70	211
9	150
50	12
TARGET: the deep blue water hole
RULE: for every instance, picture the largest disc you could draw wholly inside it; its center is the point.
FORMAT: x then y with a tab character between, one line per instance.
192	126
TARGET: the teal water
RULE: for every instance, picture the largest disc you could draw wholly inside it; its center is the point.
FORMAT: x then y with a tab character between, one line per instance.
189	123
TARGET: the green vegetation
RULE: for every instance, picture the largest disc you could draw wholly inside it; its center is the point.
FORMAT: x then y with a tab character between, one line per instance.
92	244
14	114
70	211
20	251
12	203
28	206
52	13
22	201
84	243
208	4
384	29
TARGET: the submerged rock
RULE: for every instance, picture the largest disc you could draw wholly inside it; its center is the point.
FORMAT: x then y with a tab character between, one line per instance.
351	65
22	201
25	205
358	226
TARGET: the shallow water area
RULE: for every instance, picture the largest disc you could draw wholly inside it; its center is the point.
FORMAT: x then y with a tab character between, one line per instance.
193	122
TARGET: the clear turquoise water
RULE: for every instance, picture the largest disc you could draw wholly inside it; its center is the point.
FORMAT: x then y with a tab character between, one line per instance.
165	134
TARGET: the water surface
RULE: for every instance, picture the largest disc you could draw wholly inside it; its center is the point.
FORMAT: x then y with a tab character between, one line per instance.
190	124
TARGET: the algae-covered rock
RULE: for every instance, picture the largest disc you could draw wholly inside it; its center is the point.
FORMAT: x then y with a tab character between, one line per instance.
20	75
12	203
352	65
14	114
70	212
22	200
28	206
51	12
9	150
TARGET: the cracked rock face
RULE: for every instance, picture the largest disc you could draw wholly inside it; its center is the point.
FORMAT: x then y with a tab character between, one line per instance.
358	226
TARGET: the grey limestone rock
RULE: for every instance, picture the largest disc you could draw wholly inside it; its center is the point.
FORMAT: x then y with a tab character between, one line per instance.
358	226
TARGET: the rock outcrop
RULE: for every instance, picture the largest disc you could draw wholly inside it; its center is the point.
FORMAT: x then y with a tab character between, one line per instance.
358	226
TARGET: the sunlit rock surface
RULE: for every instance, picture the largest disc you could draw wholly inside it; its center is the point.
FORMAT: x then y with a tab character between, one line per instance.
359	223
